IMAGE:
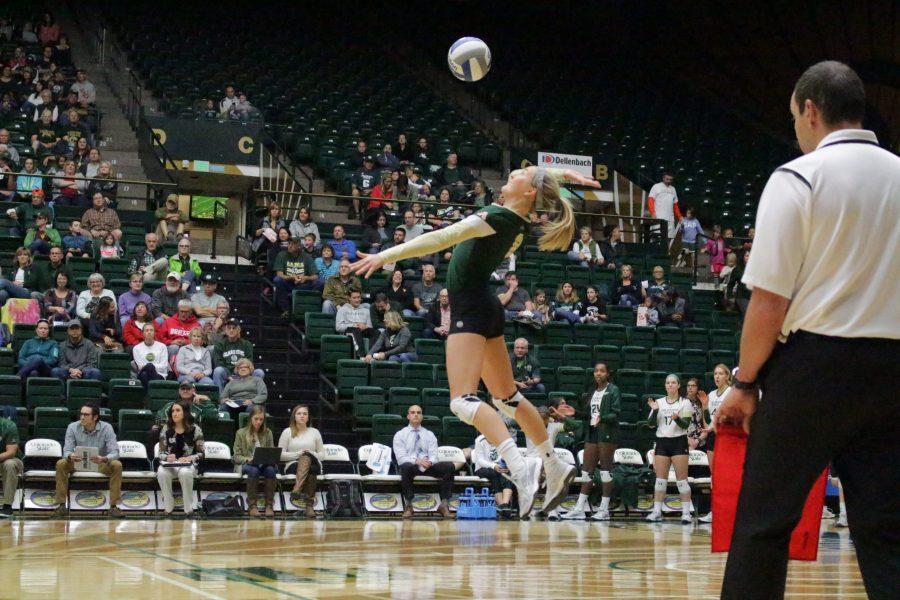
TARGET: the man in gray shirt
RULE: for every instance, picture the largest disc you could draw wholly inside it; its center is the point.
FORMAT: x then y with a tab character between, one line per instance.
91	432
412	229
205	302
513	298
425	293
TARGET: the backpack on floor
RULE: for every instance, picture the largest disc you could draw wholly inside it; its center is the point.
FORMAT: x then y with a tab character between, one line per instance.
344	499
224	506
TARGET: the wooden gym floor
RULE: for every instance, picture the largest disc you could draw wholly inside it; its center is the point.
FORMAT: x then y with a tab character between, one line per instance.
377	559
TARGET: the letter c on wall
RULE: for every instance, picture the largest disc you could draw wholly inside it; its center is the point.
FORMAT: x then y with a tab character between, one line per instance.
245	144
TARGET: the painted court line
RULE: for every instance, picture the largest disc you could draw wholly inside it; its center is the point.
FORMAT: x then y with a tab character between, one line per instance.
240	578
162	578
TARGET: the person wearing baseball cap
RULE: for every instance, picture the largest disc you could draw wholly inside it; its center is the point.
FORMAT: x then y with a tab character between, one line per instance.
228	351
78	358
294	270
23	214
165	299
363	182
207	299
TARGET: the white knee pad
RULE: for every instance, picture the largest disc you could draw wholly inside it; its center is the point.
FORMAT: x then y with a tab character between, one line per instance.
683	486
465	407
660	485
605	477
508	406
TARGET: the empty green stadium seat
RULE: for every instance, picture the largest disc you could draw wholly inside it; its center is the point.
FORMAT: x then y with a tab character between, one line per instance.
722	339
350	374
430	351
692	361
43	391
669	337
630	381
305	301
367	401
384	426
578	355
386	374
134	424
334	348
611	356
401	398
115	365
612	334
11	390
81	391
51	422
570	379
714	357
696	338
418	375
316	325
640	336
635	357
436	402
456	433
587	333
665	359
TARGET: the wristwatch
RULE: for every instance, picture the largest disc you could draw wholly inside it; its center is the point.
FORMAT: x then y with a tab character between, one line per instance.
743	385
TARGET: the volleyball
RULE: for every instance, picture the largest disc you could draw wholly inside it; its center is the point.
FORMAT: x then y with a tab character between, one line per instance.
469	59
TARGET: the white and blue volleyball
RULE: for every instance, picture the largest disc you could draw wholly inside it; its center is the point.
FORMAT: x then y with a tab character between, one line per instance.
469	59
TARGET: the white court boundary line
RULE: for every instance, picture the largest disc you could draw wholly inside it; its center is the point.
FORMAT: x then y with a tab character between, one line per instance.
162	578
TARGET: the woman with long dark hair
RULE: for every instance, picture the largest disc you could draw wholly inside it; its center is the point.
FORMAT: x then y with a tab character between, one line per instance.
180	449
599	409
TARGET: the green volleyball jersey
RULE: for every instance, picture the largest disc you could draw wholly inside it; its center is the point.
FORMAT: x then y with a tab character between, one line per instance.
475	259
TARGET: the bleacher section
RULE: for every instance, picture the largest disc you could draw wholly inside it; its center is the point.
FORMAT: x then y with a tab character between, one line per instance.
318	95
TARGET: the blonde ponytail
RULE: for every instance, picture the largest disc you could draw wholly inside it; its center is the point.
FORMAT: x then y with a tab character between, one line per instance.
559	233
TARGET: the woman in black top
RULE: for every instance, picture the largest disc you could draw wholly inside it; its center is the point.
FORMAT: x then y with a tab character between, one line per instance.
103	325
628	292
181	448
375	236
592	309
281	243
402	150
397	291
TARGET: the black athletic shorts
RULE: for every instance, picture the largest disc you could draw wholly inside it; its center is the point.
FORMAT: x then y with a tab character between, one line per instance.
711	441
677	446
596	435
476	311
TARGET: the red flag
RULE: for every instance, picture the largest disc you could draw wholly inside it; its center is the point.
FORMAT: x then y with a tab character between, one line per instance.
728	470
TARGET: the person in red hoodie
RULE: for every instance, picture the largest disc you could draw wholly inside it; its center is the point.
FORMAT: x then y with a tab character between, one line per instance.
133	328
175	331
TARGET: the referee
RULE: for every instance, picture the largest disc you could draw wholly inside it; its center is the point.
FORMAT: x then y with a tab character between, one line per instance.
822	340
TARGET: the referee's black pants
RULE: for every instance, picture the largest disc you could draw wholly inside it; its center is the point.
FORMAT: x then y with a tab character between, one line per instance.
444	471
825	400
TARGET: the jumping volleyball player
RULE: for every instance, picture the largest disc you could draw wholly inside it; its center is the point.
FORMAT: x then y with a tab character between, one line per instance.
475	346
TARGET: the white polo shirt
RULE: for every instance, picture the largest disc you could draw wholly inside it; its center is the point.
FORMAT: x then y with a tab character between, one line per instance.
828	238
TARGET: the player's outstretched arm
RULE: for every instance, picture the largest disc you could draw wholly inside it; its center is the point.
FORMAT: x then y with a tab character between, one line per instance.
571	176
472	226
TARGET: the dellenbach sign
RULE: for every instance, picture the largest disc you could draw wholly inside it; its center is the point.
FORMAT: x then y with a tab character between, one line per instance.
228	143
576	162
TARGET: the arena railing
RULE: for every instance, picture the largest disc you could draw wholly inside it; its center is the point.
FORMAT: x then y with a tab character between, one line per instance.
332	209
154	190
